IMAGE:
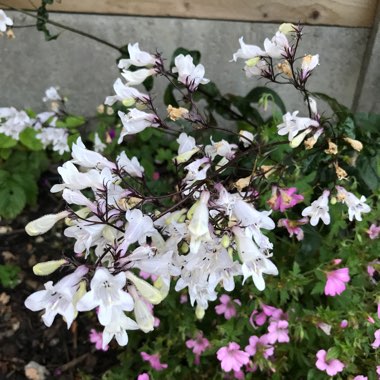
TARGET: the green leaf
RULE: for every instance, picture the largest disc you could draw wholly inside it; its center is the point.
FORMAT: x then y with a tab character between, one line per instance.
12	199
7	141
29	139
169	97
9	275
257	93
333	353
71	122
29	184
369	171
367	122
148	83
5	153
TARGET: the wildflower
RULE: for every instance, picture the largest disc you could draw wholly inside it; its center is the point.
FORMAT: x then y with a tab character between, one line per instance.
336	280
376	343
373	231
283	199
360	377
137	58
4	21
154	361
293	227
198	346
247	51
309	62
231	357
319	209
278	46
278	332
246	138
355	205
143	376
97	338
331	367
259	344
227	306
135	121
292	125
343	324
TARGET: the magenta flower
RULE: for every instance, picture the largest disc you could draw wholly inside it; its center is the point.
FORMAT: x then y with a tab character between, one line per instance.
231	357
283	199
373	231
344	323
376	343
154	361
239	375
227	306
336	280
143	376
278	332
293	227
198	345
331	367
378	369
259	344
97	338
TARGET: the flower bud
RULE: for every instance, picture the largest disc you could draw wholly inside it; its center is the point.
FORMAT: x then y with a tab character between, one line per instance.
44	224
199	312
48	267
149	292
143	317
225	241
184	247
128	102
332	149
286	28
163	285
252	62
299	138
356	144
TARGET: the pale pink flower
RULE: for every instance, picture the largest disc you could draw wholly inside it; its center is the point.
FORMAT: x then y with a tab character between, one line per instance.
198	345
147	276
183	298
370	319
293	227
325	327
143	376
278	332
154	361
378	369
97	338
259	344
239	375
376	343
227	306
360	377
336	280
344	324
331	367
373	231
231	357
283	199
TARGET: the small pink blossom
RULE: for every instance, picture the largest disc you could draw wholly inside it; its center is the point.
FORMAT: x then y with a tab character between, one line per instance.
198	345
143	376
283	199
231	357
147	276
373	231
331	367
376	343
336	261
370	319
293	227
378	369
259	344
227	306
154	361
183	298
325	327
97	338
344	324
278	332
239	375
360	377
336	280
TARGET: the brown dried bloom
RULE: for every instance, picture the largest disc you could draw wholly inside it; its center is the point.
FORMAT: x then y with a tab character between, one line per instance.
285	68
176	113
332	149
340	172
356	144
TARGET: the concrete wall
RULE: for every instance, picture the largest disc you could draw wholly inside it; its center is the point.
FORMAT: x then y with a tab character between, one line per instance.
86	70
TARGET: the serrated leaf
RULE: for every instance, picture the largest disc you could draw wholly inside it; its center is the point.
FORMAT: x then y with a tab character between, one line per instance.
28	138
318	289
367	122
7	141
340	110
29	183
12	200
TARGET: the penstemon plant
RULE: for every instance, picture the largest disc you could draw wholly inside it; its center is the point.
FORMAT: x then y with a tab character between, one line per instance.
218	225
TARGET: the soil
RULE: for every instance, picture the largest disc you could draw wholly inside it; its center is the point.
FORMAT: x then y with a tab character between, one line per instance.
24	338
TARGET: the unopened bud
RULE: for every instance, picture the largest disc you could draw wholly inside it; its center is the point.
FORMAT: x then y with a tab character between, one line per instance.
225	241
252	62
149	292
299	138
48	267
128	102
184	248
163	285
286	28
44	224
230	251
144	318
199	312
333	200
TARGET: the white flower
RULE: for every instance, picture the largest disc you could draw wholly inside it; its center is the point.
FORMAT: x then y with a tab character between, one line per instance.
117	327
220	148
187	148
309	62
124	94
4	21
15	122
137	57
292	124
255	263
57	137
189	74
319	209
246	138
51	94
107	293
276	48
130	166
144	317
135	78
135	121
247	51
99	145
58	298
355	205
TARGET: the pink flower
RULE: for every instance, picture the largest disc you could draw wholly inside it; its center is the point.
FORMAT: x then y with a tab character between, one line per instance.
97	338
360	377
370	319
336	280
231	357
239	375
154	361
143	376
278	332
331	367
293	227
198	345
268	311
147	276
283	199
378	369
183	298
227	306
373	231
376	343
344	324
259	344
